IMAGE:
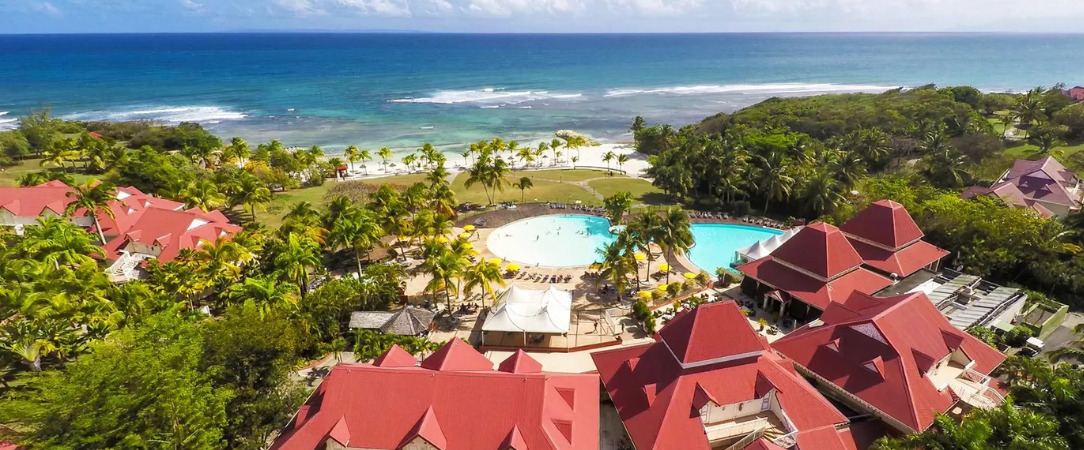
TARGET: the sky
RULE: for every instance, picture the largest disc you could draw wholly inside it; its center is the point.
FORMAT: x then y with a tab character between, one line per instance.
539	16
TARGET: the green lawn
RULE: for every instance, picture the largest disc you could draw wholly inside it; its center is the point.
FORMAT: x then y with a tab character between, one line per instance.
568	174
543	191
1026	150
642	190
316	195
8	175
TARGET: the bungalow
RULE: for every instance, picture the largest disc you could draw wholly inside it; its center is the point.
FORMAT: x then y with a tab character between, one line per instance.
453	400
1044	186
890	242
1076	93
896	358
711	382
142	226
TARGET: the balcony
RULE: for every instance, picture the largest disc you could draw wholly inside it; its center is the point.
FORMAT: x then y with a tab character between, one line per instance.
724	434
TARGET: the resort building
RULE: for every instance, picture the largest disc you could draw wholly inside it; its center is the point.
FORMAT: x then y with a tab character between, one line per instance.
709	381
142	226
966	300
1075	93
453	400
1044	186
409	321
896	358
816	267
528	317
879	247
890	242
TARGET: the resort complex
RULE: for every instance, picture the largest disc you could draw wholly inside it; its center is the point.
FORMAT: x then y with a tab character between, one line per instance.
1044	186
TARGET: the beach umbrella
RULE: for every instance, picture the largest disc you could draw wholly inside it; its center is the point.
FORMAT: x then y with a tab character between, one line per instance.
661	288
664	267
468	228
495	260
513	267
468	245
475	252
442	239
644	294
690	275
464	235
640	256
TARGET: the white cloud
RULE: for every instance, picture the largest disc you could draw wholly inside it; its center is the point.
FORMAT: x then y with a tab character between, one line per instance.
47	8
301	7
509	8
192	6
655	7
393	8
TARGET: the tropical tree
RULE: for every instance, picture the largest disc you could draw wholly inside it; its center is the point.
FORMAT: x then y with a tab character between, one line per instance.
93	198
621	160
240	149
526	155
1003	427
1046	137
295	257
773	178
357	229
823	194
385	154
482	275
353	155
444	266
492	173
203	194
609	156
523	184
648	229
675	235
1029	109
251	192
617	205
221	261
616	266
264	293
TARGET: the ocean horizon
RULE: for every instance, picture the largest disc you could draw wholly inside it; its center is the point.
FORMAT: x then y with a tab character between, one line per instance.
402	89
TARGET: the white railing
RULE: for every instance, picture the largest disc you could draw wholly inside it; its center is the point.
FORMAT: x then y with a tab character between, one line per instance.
724	431
123	269
748	439
787	440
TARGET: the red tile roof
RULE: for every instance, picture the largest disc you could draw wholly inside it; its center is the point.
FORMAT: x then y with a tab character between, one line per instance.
520	362
902	262
809	289
1044	180
136	216
1010	196
820	249
885	346
884	222
457	406
657	394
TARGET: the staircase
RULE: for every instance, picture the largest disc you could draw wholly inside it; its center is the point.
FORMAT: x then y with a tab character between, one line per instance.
123	269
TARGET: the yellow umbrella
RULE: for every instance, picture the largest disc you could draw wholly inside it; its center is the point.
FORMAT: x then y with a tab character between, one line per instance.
468	246
644	294
640	256
513	267
690	275
662	287
475	252
468	228
464	235
442	239
495	260
664	267
401	237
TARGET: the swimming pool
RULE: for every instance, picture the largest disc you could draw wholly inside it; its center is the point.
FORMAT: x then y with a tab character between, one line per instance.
560	240
717	242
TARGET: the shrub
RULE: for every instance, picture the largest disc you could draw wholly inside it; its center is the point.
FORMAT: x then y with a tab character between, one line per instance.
1018	336
739	208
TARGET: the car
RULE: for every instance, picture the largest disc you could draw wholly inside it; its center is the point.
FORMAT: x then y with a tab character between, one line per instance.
1028	352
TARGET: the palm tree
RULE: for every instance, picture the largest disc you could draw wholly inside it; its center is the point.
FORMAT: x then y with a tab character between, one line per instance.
525	154
251	193
442	200
523	184
1047	137
621	160
675	235
444	266
353	155
239	148
648	228
364	156
617	205
222	260
385	154
357	229
264	293
556	144
773	180
823	194
617	263
203	194
483	274
409	160
295	257
491	172
57	242
609	156
94	199
1029	109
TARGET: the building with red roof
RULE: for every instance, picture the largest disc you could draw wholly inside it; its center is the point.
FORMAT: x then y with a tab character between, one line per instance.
1075	93
897	358
816	267
1044	186
890	242
142	227
710	381
453	400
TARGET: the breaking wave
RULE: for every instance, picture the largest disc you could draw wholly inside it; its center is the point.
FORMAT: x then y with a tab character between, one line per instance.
762	89
173	115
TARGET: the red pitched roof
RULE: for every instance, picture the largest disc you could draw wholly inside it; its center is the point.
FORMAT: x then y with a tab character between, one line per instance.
884	222
32	201
457	406
173	231
820	249
657	394
902	262
520	362
694	335
395	357
884	347
1044	180
809	289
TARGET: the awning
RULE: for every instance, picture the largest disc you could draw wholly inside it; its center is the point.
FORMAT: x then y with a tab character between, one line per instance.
547	311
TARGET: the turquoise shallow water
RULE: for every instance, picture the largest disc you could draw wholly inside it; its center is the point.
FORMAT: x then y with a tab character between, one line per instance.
400	90
717	242
559	240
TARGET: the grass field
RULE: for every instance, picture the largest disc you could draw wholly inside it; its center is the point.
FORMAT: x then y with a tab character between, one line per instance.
568	174
1026	150
641	190
8	175
543	190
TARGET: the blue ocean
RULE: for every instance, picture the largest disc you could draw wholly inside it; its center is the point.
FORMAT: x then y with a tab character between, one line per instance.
400	90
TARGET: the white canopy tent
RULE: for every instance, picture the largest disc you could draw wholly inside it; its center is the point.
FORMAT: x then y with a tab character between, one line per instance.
547	311
764	247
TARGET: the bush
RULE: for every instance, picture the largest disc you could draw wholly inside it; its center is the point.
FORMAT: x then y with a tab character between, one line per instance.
1018	336
649	325
739	208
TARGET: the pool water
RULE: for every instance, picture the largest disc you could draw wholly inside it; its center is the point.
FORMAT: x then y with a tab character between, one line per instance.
717	242
562	240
